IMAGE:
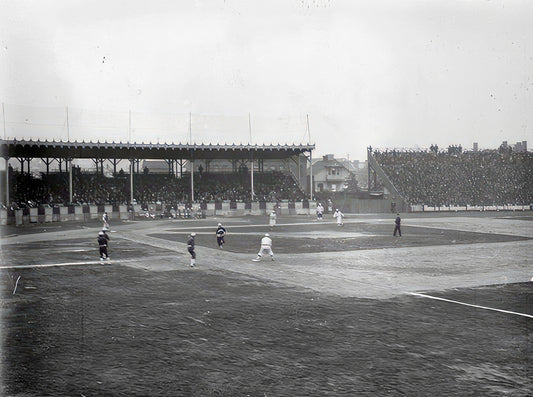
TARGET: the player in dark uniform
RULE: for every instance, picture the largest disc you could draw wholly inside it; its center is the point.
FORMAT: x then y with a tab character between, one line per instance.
190	248
220	233
103	242
397	227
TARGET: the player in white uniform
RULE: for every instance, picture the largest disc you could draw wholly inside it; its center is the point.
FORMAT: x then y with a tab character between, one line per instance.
339	215
266	248
319	212
273	218
105	220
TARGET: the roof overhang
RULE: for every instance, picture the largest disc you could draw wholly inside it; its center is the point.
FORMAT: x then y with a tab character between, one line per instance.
61	149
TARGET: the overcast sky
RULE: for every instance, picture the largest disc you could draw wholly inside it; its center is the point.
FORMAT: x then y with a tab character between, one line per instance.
380	73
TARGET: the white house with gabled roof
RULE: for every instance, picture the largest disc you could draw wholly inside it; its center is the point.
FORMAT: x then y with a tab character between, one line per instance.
331	174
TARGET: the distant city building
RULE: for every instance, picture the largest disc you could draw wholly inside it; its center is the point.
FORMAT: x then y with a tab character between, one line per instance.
520	146
475	147
517	147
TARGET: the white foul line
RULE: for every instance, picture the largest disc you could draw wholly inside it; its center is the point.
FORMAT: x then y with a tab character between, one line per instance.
468	304
56	265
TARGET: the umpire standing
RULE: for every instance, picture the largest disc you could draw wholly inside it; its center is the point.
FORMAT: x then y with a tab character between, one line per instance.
397	227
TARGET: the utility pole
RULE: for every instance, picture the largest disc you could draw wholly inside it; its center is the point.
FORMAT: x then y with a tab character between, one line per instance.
252	158
192	158
310	161
68	127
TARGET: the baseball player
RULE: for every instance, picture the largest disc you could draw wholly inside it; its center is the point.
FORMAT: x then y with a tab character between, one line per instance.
220	233
397	225
105	220
330	206
103	241
190	248
273	218
266	248
339	215
319	212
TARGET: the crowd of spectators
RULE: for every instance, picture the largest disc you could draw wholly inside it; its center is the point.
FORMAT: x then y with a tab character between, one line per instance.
433	178
489	177
96	189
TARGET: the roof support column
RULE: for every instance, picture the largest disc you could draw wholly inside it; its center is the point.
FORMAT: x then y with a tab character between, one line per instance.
170	165
60	162
192	176
252	177
7	182
131	179
95	161
180	162
22	161
115	162
70	189
47	161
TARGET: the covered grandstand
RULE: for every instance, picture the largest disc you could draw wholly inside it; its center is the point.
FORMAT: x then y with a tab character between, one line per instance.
248	180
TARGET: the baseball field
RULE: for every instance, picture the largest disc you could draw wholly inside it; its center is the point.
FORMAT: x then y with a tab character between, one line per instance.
445	309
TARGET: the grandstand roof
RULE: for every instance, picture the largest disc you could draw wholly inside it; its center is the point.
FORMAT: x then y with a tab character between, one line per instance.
64	149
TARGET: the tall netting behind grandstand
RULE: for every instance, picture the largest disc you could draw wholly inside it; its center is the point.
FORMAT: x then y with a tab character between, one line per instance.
76	124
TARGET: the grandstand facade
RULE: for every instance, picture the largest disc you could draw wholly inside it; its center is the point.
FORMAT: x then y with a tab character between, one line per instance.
193	175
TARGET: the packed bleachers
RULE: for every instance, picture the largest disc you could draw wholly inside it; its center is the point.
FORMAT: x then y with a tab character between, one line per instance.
434	178
96	189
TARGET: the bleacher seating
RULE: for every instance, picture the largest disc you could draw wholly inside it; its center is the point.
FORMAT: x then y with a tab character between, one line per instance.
488	177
